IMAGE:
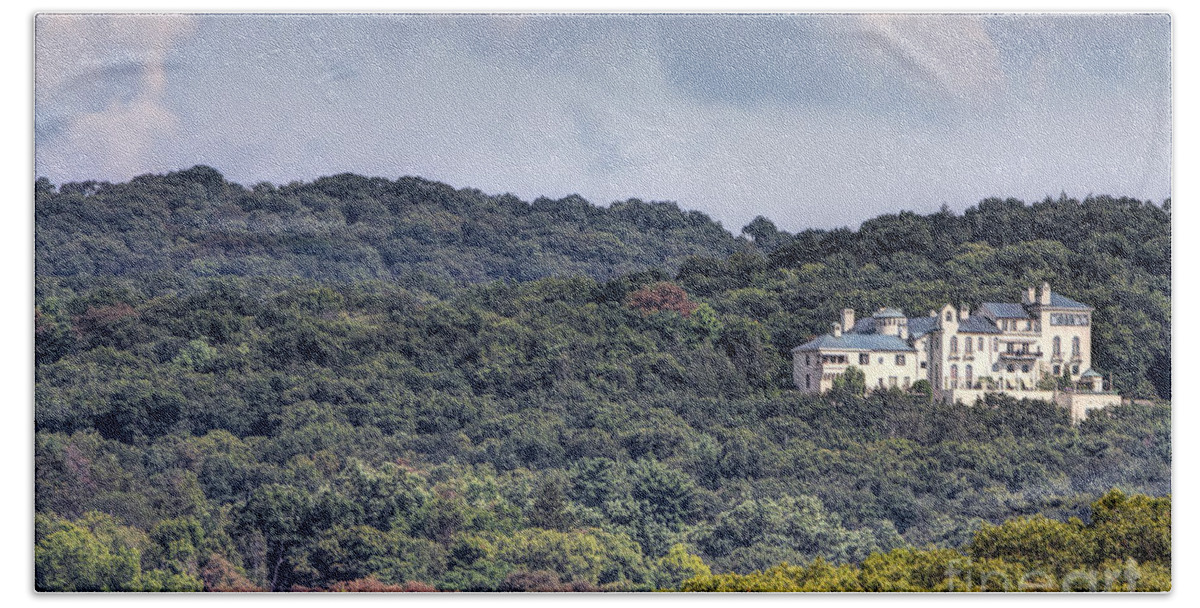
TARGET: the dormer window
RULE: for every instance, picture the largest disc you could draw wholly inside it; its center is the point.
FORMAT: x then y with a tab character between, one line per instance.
949	316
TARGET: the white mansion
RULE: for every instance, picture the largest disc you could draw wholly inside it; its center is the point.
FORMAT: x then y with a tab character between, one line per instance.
1018	349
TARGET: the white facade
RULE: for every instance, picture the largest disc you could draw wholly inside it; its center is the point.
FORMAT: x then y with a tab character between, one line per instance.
1019	349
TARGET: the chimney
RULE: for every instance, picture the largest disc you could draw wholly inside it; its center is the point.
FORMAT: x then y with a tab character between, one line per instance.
1030	297
933	313
1045	301
848	319
837	330
963	313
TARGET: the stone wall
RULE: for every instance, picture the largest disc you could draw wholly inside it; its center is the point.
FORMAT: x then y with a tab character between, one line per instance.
1077	403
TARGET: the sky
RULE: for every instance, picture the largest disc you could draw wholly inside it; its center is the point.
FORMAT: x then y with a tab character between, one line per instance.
814	121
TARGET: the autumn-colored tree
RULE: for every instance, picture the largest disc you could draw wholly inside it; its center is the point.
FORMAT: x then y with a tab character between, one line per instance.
662	296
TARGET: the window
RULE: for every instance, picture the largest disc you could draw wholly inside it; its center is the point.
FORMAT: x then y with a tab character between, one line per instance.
864	359
1075	369
1075	346
881	383
1028	325
949	316
967	345
954	345
899	359
954	376
1025	368
996	344
907	381
807	381
924	364
980	343
1057	370
1057	346
881	360
806	361
1011	367
1062	318
969	374
892	381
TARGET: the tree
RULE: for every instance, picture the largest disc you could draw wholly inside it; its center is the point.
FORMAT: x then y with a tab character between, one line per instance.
276	514
549	507
660	297
1137	527
679	565
766	236
853	381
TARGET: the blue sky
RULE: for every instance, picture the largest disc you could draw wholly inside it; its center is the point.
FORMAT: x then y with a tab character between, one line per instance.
812	121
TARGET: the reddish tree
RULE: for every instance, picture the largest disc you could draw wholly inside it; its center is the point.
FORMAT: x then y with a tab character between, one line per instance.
662	296
104	322
220	575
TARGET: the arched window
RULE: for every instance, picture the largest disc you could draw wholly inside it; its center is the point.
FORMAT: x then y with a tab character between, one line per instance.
1057	346
954	344
1075	346
980	343
968	345
949	316
968	375
954	376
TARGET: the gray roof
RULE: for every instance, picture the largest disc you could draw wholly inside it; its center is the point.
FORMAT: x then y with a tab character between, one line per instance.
1007	310
864	326
1090	373
888	313
919	326
855	341
1058	301
978	325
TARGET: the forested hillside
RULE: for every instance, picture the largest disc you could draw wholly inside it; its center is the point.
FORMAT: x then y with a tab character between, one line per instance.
240	389
192	224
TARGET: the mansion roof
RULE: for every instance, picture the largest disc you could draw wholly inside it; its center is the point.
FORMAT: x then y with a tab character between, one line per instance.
919	326
856	341
1057	301
868	333
1006	310
1012	310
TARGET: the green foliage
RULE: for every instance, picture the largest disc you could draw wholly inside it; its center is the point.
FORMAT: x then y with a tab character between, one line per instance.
1131	527
95	553
677	566
301	387
853	381
1021	554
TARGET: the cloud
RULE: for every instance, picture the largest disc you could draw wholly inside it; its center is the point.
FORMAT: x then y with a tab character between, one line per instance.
952	52
812	120
101	88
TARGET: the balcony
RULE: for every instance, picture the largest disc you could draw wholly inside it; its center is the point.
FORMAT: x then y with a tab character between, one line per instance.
1020	355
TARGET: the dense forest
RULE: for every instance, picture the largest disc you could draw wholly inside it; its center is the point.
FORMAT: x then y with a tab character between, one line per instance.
366	384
